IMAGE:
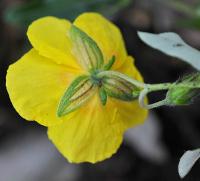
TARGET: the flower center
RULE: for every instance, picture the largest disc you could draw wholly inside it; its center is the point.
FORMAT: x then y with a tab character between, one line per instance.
95	79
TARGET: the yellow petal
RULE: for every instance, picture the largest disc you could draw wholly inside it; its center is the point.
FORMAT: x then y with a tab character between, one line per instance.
91	134
105	34
129	68
94	132
35	85
49	35
130	113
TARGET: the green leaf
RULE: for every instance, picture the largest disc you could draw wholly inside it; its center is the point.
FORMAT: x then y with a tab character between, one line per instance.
85	49
189	23
23	14
172	44
187	161
79	91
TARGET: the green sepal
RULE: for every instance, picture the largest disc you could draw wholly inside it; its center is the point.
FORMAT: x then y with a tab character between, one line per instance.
79	91
119	88
136	92
103	96
184	95
110	63
85	49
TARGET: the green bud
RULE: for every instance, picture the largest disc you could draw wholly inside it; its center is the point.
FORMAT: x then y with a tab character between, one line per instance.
184	91
79	91
120	88
85	49
180	96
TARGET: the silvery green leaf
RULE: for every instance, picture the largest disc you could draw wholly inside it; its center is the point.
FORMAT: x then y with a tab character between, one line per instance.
79	91
187	161
85	49
173	45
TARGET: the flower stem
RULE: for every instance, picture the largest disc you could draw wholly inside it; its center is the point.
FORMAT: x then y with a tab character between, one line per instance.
157	87
183	88
142	103
165	86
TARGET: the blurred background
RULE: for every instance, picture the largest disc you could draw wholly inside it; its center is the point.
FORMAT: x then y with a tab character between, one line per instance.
149	152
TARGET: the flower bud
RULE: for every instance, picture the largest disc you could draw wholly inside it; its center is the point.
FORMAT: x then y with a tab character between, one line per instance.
180	96
184	90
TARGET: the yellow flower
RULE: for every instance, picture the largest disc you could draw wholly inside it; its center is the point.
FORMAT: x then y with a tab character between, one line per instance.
38	80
